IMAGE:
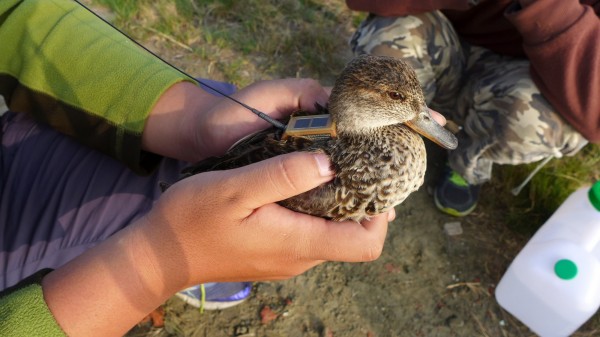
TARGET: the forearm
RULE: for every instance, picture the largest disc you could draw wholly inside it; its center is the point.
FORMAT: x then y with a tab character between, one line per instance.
110	288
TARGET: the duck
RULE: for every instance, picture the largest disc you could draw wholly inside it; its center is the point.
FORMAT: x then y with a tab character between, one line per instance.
377	116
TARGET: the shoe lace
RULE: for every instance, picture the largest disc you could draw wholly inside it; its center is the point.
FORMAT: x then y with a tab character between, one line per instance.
515	191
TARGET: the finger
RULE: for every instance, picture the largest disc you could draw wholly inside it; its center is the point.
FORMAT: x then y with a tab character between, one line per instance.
361	243
311	239
279	98
391	215
279	178
312	92
438	117
344	241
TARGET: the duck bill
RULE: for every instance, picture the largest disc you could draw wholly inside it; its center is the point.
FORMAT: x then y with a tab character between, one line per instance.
426	126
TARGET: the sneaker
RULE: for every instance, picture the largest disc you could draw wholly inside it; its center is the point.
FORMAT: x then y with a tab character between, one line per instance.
454	196
216	296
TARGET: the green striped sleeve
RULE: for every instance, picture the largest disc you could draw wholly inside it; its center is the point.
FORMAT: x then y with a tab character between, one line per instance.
69	69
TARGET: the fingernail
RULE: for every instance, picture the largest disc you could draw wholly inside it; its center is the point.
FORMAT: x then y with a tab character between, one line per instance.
391	215
324	165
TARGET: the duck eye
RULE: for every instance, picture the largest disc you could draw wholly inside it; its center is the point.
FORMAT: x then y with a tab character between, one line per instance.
395	95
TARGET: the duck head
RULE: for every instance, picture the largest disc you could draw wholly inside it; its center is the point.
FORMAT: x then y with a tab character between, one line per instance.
378	91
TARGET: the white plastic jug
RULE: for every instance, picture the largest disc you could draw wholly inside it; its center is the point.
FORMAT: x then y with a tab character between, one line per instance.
553	285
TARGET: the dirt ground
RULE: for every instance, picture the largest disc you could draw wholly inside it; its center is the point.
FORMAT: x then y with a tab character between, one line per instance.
426	283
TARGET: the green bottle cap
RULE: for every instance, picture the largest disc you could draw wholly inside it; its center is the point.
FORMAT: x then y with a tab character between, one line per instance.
594	195
565	269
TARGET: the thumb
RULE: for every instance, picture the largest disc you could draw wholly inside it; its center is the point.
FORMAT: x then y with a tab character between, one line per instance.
280	177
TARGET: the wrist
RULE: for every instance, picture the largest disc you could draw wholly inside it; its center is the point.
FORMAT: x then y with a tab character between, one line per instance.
159	259
108	289
172	126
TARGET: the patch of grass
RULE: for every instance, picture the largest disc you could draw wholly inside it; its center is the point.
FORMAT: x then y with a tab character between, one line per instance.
124	9
548	188
243	41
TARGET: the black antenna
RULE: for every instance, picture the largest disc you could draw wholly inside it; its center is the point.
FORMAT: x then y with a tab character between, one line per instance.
260	114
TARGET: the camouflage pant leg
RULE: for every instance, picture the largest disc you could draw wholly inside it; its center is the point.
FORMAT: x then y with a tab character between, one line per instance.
427	42
505	118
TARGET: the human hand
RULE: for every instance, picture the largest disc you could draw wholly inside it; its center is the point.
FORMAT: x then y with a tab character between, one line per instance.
225	226
188	123
211	227
227	122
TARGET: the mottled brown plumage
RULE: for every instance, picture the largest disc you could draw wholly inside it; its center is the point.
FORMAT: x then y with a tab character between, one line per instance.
378	159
